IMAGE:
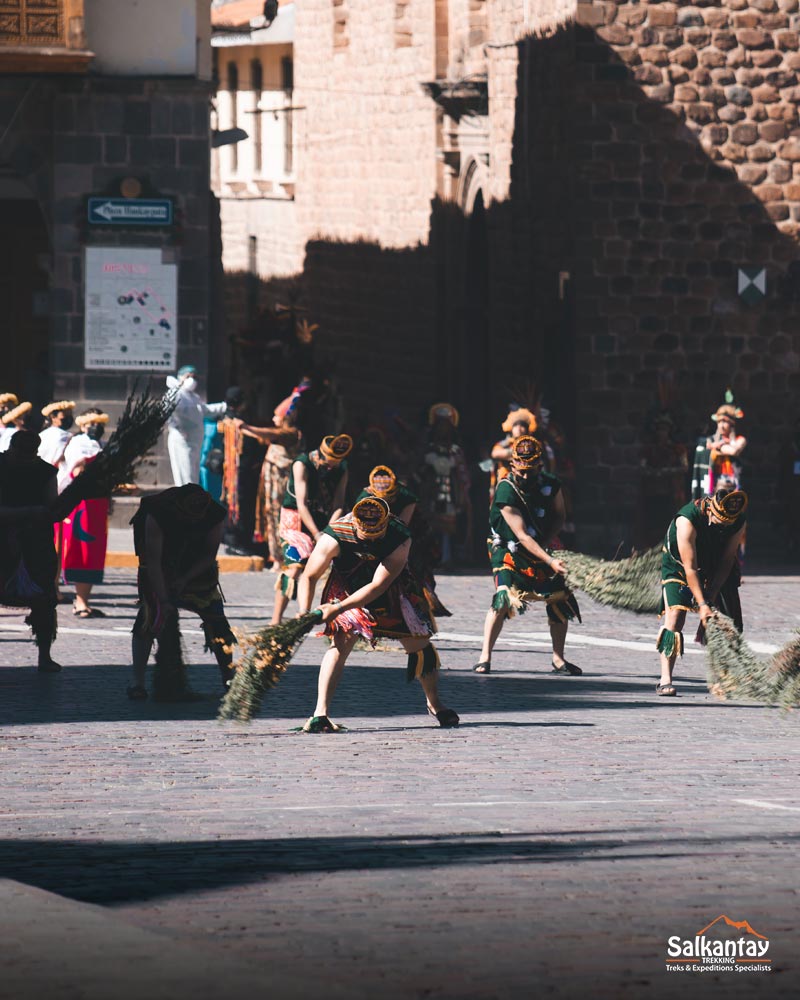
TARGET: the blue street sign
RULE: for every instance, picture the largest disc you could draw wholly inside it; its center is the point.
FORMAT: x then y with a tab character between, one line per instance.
130	211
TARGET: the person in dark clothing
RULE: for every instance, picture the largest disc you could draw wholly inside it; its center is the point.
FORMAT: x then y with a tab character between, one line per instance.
28	561
176	536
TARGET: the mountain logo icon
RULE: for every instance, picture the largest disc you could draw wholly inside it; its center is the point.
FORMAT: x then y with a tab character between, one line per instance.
739	925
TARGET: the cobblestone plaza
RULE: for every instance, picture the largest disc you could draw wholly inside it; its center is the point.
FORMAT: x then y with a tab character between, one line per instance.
549	846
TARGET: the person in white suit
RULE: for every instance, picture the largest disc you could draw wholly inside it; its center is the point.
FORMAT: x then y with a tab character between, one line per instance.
185	433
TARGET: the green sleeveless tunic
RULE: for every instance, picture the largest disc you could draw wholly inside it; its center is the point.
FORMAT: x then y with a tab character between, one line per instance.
320	490
401	611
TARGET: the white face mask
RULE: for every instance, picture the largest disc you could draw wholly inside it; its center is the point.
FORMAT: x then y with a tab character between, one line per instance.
190	384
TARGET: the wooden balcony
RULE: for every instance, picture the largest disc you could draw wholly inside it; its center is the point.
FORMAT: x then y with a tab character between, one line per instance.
42	36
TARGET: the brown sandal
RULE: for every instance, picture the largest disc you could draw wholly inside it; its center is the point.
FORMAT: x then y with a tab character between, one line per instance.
666	690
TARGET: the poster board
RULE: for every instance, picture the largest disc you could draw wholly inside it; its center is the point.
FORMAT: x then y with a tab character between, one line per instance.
131	309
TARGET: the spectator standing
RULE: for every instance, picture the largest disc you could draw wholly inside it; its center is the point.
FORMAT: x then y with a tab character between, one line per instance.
185	428
85	531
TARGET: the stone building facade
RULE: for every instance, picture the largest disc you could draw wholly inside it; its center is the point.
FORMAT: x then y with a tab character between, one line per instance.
494	192
116	106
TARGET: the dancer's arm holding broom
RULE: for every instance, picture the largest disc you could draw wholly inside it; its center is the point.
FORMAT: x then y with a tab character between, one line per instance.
324	552
687	549
515	521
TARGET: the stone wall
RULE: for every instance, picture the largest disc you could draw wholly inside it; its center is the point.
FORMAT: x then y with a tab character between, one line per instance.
366	138
100	131
685	155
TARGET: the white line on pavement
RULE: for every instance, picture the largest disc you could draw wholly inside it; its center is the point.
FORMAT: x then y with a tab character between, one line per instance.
534	640
760	804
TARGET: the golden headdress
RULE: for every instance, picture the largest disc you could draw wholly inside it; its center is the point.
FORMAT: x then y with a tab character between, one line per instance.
16	413
526	452
728	412
8	399
86	419
443	411
520	416
336	447
59	407
371	516
382	482
729	506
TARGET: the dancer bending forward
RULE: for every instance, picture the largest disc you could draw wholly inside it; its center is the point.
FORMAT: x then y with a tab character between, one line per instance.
370	594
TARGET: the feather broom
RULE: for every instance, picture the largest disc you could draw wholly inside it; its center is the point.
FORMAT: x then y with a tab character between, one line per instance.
137	432
633	583
266	656
735	672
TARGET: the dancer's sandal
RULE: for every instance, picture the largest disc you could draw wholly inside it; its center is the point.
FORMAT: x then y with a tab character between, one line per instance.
484	667
136	692
567	668
446	717
666	690
321	724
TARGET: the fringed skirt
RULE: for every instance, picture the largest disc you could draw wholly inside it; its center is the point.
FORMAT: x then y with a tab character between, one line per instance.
521	580
400	613
296	543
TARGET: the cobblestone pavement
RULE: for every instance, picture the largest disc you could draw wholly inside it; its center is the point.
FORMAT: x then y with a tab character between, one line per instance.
549	846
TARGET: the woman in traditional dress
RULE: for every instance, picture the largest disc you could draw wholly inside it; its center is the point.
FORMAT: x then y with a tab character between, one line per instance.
85	532
53	443
12	421
726	447
315	495
284	444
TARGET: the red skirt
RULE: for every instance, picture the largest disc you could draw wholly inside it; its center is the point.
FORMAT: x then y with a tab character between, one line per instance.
85	537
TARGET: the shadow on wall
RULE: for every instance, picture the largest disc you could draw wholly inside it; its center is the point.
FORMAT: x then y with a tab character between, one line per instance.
612	186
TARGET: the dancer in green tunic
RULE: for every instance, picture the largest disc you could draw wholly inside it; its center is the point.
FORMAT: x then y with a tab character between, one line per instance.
370	594
525	517
699	571
314	496
404	504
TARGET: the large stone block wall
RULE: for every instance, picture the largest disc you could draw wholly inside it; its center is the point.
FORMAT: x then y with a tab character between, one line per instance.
104	131
686	156
86	136
273	221
366	166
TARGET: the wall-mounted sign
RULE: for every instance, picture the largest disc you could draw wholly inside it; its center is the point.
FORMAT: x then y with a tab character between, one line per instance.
131	309
130	211
752	284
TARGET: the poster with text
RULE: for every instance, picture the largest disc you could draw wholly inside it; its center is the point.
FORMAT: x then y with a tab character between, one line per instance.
131	309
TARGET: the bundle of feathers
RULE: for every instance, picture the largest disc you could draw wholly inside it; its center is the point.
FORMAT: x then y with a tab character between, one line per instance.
265	658
633	584
736	673
138	431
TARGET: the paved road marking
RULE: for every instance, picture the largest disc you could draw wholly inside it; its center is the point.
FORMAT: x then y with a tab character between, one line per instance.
761	804
533	640
339	808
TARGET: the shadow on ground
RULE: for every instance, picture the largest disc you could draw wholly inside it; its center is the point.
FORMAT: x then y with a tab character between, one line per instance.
119	873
